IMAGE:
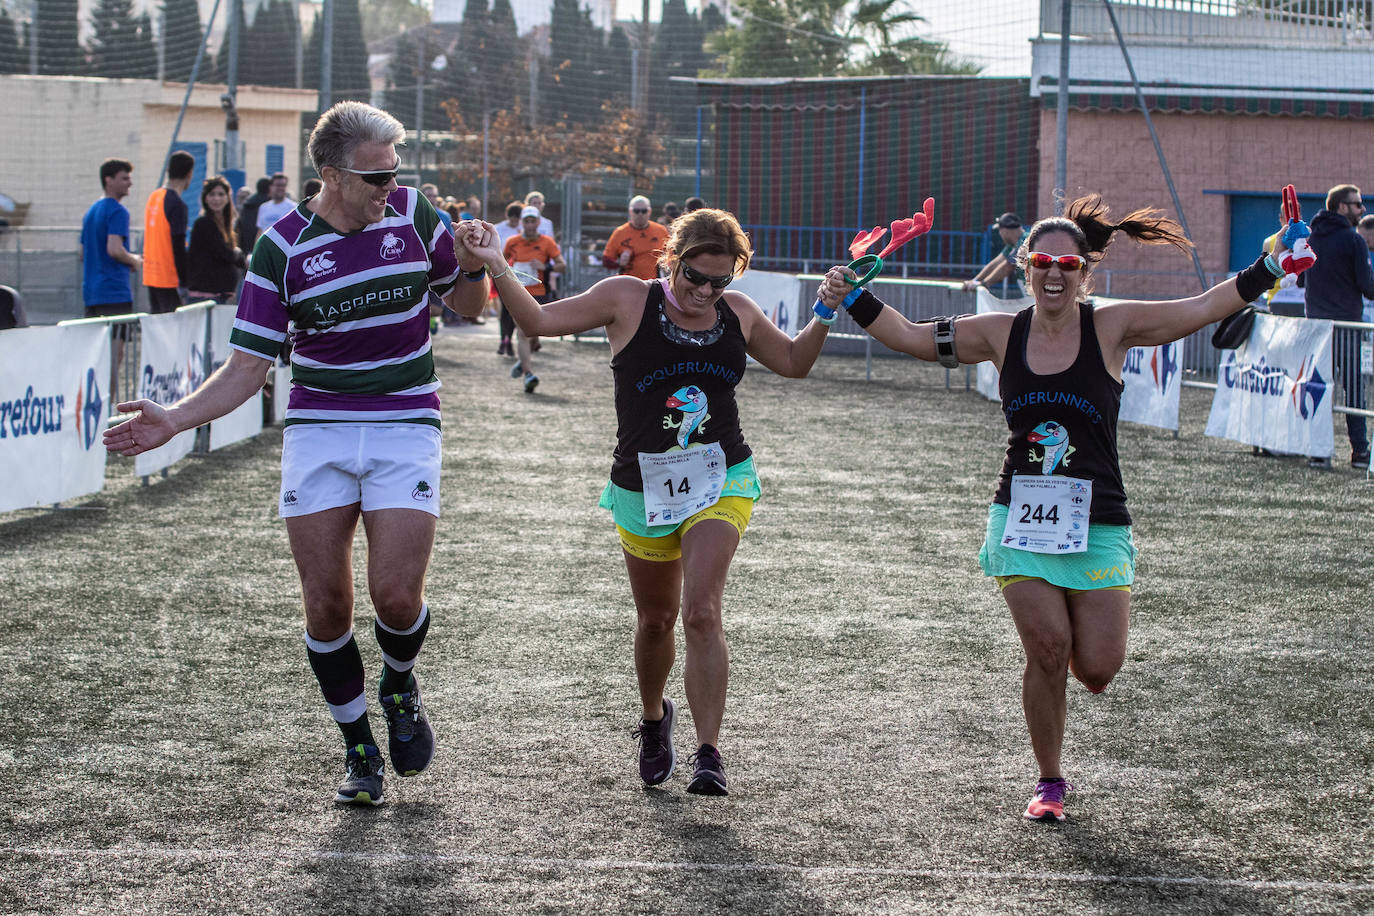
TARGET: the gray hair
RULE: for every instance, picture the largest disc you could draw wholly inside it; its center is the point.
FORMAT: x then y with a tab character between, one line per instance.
639	199
345	127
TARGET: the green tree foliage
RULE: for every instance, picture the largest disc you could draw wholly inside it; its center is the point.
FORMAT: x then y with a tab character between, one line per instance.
59	53
12	58
584	68
403	75
181	20
384	18
487	69
504	62
677	51
121	44
799	38
349	76
462	80
267	47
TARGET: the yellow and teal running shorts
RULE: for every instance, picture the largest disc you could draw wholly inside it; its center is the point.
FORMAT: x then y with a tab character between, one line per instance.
1109	561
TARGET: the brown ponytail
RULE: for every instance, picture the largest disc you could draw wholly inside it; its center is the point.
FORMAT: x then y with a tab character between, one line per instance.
1146	226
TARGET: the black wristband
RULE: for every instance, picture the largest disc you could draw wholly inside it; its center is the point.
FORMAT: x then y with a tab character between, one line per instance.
1255	280
865	309
474	275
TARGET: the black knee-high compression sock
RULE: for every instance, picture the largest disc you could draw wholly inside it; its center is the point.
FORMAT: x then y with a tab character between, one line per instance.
399	650
338	667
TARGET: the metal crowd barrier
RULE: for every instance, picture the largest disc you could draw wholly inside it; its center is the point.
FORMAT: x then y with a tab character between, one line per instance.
126	365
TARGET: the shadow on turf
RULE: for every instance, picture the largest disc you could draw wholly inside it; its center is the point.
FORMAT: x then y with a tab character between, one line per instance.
691	835
341	877
188	478
1089	851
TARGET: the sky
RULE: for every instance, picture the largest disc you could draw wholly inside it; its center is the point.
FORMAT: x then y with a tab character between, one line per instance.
993	33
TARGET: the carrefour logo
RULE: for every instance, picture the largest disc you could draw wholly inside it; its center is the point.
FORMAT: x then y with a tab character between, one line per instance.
90	410
1309	387
39	414
1162	367
1305	388
318	265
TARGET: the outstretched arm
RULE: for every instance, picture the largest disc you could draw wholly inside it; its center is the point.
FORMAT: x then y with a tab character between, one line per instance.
790	357
1150	324
595	308
154	425
977	337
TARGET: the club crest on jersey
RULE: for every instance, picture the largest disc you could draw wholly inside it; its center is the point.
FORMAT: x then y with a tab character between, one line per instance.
691	401
422	492
392	246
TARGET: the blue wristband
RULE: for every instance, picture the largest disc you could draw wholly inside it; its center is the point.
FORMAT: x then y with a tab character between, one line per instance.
824	312
1273	266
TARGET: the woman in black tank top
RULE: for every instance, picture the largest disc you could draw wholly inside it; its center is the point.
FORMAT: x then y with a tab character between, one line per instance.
678	350
1060	367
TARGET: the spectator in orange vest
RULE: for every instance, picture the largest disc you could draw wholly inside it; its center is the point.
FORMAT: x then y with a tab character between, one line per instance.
164	237
634	247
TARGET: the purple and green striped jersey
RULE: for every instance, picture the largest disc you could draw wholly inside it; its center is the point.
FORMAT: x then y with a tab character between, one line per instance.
357	309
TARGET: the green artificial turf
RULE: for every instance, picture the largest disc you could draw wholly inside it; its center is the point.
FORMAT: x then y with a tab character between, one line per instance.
168	750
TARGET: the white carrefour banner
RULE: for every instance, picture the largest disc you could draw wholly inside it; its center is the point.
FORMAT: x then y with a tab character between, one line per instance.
1273	392
53	406
987	373
776	294
245	421
1153	384
172	365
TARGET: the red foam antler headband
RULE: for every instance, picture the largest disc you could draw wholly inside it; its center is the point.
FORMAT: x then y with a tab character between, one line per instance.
904	230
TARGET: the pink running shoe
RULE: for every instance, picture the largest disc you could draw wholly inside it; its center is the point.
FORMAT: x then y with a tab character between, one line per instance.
1048	802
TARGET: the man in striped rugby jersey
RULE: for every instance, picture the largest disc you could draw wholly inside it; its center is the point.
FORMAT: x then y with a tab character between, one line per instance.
352	276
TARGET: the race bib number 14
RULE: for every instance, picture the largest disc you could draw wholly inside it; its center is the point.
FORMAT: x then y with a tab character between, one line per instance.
677	485
1048	514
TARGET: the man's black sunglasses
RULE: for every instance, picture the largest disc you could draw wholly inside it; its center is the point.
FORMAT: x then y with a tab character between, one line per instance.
379	178
697	278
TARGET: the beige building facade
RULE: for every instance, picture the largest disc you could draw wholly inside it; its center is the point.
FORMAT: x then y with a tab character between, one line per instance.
55	132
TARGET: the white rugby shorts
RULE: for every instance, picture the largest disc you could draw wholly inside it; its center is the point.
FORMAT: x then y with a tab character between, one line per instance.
383	466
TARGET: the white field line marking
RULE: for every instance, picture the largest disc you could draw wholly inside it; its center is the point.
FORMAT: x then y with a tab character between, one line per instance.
807	871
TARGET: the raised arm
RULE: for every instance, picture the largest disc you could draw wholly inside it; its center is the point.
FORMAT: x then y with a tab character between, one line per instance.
597	307
977	337
790	357
1124	325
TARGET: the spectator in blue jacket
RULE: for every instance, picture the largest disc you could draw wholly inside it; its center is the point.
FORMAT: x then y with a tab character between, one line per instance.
1333	288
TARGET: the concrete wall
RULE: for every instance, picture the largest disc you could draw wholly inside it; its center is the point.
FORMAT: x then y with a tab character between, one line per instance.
1110	152
55	132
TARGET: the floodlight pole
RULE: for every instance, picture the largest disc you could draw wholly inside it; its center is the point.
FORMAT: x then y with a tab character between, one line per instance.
33	38
863	123
190	84
230	100
420	108
327	57
1061	110
1159	150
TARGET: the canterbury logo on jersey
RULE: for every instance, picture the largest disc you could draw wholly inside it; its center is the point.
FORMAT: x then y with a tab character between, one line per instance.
318	264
